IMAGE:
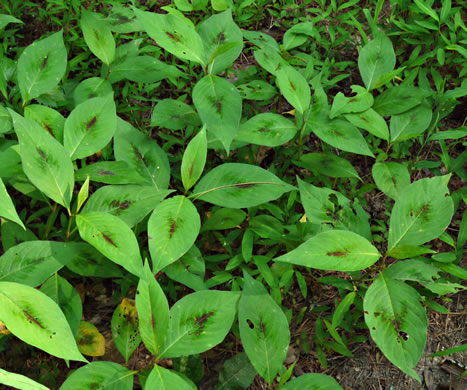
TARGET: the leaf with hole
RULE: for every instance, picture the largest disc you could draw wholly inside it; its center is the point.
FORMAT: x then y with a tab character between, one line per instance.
37	320
112	237
264	329
125	331
199	322
172	229
236	185
335	250
397	322
41	66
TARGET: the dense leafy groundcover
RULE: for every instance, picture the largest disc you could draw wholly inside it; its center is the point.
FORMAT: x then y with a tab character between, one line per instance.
251	172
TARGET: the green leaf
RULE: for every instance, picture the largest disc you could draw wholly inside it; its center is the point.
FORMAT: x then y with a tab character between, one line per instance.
220	107
397	322
415	218
13	234
143	154
370	121
376	58
172	229
45	161
66	297
335	250
174	35
7	208
92	88
342	309
223	219
124	325
98	36
90	127
219	32
113	238
412	269
194	159
312	382
399	99
199	321
174	115
408	251
411	123
188	270
327	164
47	118
37	320
294	87
271	60
391	178
131	203
161	378
83	194
297	35
341	104
153	312
267	129
41	66
427	9
110	172
264	329
6	125
5	20
257	90
18	381
343	135
104	375
237	373
236	185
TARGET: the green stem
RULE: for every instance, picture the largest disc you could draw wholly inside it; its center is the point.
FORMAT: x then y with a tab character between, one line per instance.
50	222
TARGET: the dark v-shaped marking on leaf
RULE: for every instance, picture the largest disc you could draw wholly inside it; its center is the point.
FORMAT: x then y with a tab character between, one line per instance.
42	154
109	240
91	123
32	319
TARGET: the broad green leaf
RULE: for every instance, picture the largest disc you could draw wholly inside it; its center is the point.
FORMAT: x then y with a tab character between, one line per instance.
199	322
410	124
370	121
13	234
267	129
174	115
87	261
142	69
110	172
5	20
188	270
341	104
66	297
272	62
162	378
6	125
257	90
153	312
408	251
100	375
90	127
237	373
399	99
174	35
414	270
112	237
41	66
327	164
391	178
397	322
264	329
10	160
376	58
143	154
7	208
194	159
47	118
131	203
312	382
223	218
92	88
262	40
238	186
343	135
98	36
294	87
334	250
18	381
90	341
220	107
172	229
297	35
219	32
124	325
122	20
416	216
45	161
37	320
